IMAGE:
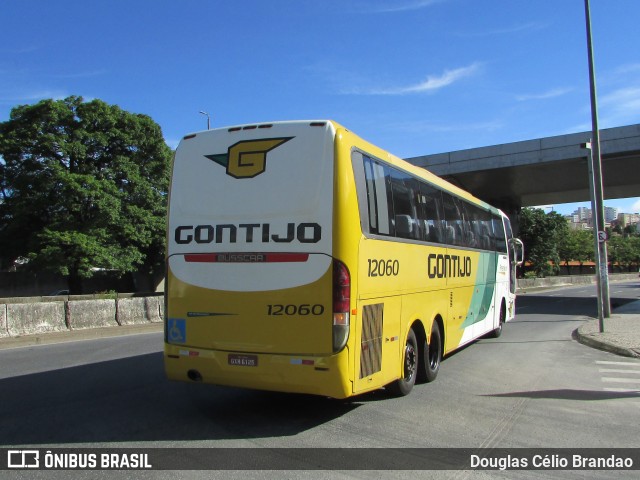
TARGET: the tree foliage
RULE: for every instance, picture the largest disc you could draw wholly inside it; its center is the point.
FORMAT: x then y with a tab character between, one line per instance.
541	234
83	187
624	251
549	241
576	245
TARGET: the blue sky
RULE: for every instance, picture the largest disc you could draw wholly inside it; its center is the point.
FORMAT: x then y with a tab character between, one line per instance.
413	76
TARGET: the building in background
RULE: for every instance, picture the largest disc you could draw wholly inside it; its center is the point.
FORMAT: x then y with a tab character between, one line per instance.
611	214
582	218
626	219
583	214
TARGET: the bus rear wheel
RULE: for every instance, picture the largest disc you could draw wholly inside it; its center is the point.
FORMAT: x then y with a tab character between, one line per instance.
432	355
404	385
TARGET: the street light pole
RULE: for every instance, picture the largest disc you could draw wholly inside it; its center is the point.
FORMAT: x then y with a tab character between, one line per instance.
596	237
208	119
595	180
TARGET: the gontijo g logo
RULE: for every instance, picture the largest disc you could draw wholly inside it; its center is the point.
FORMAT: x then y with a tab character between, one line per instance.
248	158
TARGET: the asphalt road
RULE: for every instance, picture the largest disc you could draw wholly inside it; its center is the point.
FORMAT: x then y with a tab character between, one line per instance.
534	387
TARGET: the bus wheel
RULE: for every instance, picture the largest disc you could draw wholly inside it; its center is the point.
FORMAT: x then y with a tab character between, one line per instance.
403	385
503	316
433	353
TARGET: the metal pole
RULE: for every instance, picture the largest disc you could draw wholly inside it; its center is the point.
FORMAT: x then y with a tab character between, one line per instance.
602	270
208	119
596	245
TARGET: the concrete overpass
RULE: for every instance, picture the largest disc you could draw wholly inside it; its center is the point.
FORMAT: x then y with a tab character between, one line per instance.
544	171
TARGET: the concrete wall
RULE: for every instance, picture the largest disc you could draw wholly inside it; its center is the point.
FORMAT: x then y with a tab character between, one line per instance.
4	332
33	318
91	314
550	282
138	310
37	315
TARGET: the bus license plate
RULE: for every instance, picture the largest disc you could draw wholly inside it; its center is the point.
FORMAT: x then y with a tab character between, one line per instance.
243	360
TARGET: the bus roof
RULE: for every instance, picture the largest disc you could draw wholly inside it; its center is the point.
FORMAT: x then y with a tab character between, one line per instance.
381	153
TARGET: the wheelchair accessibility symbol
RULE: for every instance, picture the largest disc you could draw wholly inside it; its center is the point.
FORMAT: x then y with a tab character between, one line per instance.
177	330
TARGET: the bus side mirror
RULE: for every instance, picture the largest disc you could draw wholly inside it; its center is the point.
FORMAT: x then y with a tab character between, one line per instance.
518	251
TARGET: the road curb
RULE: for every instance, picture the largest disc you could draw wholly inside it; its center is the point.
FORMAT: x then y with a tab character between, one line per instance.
588	334
78	335
590	341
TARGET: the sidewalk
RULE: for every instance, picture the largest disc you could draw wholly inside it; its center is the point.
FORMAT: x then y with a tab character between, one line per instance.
78	335
621	332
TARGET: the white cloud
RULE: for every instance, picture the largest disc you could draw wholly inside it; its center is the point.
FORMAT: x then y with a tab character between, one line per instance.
619	96
621	106
384	6
628	68
623	96
556	92
83	74
406	6
430	84
19	50
431	127
519	28
577	128
36	95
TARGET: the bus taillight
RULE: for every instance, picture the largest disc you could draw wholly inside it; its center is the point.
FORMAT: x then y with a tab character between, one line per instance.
341	305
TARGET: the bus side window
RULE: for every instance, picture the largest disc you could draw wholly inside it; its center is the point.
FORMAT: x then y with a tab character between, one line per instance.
498	227
378	197
480	228
403	187
486	227
472	222
454	220
430	214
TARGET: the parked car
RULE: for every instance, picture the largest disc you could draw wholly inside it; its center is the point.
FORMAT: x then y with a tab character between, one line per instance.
57	293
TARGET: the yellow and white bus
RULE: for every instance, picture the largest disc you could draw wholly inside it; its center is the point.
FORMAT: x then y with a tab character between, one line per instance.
302	258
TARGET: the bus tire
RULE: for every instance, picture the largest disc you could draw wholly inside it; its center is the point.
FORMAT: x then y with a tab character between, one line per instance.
404	385
503	316
432	353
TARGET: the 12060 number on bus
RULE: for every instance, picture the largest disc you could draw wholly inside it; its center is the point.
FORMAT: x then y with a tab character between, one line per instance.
291	309
383	268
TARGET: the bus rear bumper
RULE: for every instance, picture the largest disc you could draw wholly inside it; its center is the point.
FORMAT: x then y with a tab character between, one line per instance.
326	376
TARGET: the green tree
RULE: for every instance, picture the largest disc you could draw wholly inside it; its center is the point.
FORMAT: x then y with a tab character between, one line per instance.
634	240
83	187
541	234
630	230
576	245
624	251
